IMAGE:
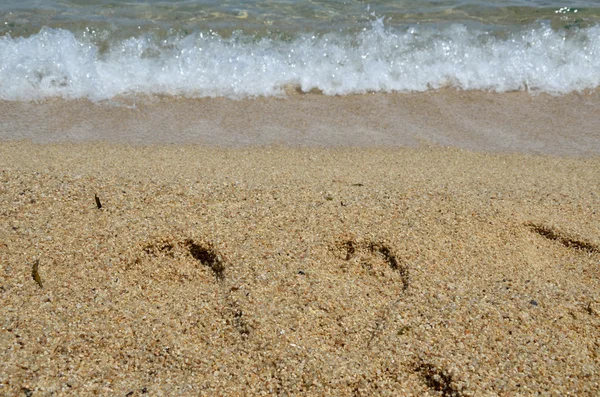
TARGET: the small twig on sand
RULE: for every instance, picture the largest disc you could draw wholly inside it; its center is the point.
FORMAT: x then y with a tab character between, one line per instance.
98	203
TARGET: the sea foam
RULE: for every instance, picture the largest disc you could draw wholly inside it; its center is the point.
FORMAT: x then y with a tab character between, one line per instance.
60	63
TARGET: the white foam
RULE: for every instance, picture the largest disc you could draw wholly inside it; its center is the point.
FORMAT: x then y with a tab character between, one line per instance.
57	63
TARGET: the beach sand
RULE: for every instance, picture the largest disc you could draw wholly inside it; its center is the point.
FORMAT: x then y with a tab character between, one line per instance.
297	270
474	120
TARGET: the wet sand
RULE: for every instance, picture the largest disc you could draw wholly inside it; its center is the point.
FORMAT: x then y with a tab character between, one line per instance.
297	271
481	121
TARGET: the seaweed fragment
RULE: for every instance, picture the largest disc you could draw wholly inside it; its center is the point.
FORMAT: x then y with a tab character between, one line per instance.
35	274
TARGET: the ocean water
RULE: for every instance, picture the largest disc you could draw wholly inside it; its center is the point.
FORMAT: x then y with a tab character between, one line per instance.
106	49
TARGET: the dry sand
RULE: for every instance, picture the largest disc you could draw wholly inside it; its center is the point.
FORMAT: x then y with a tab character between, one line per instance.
282	271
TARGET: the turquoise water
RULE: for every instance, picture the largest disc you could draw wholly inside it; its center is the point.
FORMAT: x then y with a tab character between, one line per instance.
25	17
105	48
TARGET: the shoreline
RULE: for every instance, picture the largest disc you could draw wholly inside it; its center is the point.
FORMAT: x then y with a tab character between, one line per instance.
306	271
472	120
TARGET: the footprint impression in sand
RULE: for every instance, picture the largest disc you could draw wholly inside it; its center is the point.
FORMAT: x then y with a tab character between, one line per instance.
186	260
370	279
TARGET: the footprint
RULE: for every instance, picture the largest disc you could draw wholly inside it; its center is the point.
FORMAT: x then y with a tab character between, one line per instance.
379	275
182	258
370	255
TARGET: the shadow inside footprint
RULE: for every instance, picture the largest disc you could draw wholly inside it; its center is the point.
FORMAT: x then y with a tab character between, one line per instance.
438	380
558	236
208	256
